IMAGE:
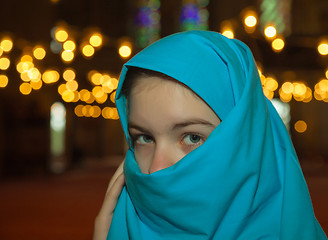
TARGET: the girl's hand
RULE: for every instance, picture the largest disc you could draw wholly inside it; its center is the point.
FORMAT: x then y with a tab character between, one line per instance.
104	218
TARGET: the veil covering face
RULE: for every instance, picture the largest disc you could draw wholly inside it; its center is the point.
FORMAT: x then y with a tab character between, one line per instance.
244	182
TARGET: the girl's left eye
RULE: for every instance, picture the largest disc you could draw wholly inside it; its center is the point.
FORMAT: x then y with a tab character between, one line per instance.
192	139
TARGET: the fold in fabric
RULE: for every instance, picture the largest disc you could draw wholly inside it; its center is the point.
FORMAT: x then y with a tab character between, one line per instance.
244	182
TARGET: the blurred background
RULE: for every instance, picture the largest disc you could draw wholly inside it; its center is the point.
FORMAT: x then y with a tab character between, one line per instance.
60	137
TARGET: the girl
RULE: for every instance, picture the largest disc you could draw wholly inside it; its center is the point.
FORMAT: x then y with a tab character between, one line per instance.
209	157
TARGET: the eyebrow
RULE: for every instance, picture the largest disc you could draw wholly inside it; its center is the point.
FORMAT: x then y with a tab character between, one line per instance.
178	125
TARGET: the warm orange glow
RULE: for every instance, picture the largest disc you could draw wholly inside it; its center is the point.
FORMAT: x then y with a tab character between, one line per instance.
4	63
125	51
69	74
268	93
96	112
25	88
36	85
270	31
278	44
72	85
6	44
50	76
110	113
24	66
102	99
97	92
39	52
271	84
250	21
323	48
228	33
61	35
67	56
86	110
287	87
326	73
3	81
68	96
62	88
112	97
69	45
24	76
1	51
97	78
26	58
78	110
96	40
300	126
88	50
34	74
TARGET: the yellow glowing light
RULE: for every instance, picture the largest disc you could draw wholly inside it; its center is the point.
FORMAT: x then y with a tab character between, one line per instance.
39	52
299	89
91	99
269	94
323	48
69	45
300	126
72	85
24	76
36	85
285	97
78	110
86	110
67	56
97	92
1	51
50	76
61	35
108	86
278	44
69	74
112	97
3	81
102	99
76	96
228	33
4	63
88	50
6	44
96	40
24	66
270	31
25	88
250	21
287	87
68	96
326	73
125	51
33	73
62	88
97	78
308	95
318	96
323	85
96	112
84	95
271	84
26	58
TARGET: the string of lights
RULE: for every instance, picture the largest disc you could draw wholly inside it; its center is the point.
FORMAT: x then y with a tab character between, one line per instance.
34	75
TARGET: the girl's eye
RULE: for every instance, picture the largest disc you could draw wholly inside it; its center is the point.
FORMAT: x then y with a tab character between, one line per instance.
192	139
143	139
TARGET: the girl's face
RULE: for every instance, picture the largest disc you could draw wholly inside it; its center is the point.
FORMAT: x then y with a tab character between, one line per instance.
166	122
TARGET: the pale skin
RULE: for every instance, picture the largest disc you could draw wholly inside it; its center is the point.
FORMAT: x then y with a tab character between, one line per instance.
166	122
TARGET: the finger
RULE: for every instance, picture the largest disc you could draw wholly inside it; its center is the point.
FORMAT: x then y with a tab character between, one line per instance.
117	173
112	196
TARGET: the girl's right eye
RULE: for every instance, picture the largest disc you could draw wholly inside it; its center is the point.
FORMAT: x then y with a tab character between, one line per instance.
143	139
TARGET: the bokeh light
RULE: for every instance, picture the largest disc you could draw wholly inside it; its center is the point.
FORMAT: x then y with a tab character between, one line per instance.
6	44
3	81
278	44
323	48
300	126
270	31
125	51
96	40
4	63
61	35
39	52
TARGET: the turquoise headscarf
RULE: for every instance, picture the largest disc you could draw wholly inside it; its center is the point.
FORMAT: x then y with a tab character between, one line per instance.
244	182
